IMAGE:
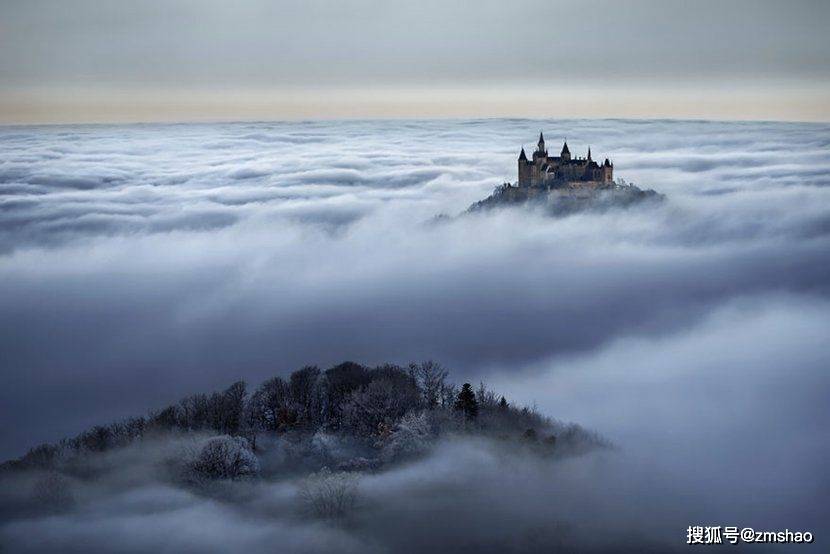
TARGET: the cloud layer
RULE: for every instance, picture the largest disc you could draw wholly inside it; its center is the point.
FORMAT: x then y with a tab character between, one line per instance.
143	263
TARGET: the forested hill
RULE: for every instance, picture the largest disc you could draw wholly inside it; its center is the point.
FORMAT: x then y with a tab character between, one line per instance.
382	414
565	201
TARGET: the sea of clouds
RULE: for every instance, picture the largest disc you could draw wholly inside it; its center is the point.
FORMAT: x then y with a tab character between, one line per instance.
142	263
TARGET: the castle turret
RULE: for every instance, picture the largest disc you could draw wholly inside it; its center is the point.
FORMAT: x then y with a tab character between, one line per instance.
565	154
524	169
589	154
607	171
540	154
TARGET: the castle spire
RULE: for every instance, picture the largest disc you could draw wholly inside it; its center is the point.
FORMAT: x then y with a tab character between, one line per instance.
565	149
589	153
523	156
541	143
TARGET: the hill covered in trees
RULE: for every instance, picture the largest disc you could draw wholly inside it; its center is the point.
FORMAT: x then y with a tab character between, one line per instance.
350	459
565	201
349	417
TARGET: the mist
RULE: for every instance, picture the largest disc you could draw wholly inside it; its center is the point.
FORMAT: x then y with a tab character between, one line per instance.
143	263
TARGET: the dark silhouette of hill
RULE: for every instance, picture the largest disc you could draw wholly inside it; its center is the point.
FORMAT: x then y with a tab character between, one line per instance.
565	201
377	414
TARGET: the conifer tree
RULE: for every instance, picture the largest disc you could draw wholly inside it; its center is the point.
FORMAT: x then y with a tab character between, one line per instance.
466	402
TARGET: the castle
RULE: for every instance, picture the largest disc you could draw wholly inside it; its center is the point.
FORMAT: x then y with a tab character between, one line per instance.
548	172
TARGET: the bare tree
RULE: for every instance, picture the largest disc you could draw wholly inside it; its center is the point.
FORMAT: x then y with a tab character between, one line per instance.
269	404
228	407
165	419
252	420
304	389
448	393
411	436
380	404
194	412
431	377
329	495
224	457
486	398
340	381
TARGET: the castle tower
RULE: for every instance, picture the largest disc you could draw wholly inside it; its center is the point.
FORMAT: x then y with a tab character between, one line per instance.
607	171
566	154
524	169
540	154
589	154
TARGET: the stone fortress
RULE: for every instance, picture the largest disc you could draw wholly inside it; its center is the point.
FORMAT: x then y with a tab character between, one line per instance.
557	172
564	185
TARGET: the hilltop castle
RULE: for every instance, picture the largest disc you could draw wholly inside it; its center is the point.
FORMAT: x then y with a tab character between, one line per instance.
562	185
562	171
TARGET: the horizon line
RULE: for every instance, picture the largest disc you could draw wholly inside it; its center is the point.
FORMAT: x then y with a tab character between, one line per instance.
391	118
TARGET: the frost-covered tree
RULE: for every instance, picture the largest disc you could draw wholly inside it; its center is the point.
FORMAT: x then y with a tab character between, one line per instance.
252	420
379	404
270	405
227	408
97	439
224	457
329	495
448	393
411	436
165	419
431	378
194	412
487	399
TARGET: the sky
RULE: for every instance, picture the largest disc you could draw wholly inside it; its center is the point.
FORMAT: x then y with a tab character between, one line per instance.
185	60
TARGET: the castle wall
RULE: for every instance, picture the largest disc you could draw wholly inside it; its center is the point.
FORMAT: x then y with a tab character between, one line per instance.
524	174
536	174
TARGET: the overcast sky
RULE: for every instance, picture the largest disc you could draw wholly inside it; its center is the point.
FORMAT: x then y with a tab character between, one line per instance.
84	60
